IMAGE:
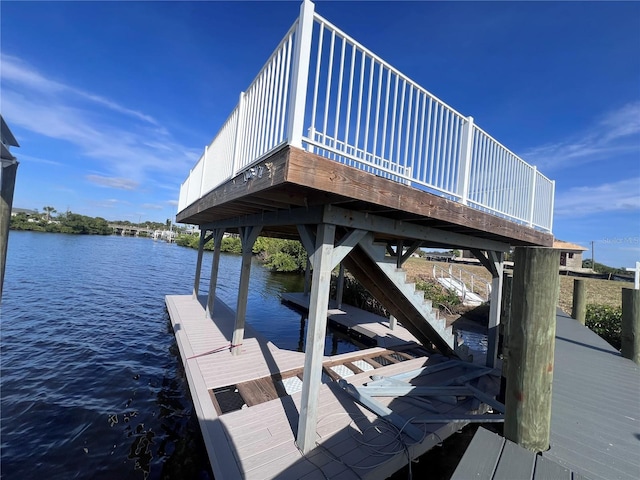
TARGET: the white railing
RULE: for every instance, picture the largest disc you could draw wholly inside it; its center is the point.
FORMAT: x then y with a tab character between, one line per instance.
468	281
323	91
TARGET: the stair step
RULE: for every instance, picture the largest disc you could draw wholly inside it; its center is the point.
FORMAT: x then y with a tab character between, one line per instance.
438	332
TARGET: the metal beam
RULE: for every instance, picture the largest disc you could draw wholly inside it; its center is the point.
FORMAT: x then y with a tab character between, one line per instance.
486	398
499	418
364	221
383	412
412	390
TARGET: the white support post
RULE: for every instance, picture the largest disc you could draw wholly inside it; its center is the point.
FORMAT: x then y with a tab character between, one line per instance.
312	135
636	270
239	128
188	195
248	236
464	172
532	195
300	74
196	281
316	331
204	169
497	259
217	244
552	206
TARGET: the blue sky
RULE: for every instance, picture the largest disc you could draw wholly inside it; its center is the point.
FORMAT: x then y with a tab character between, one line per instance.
113	102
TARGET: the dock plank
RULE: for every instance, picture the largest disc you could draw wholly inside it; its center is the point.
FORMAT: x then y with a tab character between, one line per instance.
548	470
516	463
481	457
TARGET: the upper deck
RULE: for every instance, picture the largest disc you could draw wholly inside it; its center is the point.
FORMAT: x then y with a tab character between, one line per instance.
326	122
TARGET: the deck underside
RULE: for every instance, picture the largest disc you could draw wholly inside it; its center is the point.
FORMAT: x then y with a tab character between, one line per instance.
294	186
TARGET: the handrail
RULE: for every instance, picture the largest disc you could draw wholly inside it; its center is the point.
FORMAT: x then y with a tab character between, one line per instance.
322	90
468	280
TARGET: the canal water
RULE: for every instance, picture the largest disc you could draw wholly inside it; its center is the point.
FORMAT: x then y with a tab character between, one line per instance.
91	381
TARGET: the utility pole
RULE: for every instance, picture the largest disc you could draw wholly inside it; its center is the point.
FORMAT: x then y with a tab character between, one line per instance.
593	260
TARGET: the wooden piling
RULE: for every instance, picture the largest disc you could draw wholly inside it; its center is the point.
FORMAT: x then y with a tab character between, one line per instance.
631	324
531	347
579	309
507	287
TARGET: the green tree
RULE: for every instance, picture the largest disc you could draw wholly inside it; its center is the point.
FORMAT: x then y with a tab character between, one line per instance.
48	211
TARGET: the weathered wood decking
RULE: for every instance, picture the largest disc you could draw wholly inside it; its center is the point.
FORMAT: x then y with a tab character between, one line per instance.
258	441
295	184
595	418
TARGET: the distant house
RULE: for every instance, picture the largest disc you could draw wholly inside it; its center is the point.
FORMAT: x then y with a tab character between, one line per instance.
570	255
26	211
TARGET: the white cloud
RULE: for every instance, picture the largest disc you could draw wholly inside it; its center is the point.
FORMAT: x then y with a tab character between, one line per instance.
127	144
113	182
615	133
32	159
173	203
17	71
609	197
152	206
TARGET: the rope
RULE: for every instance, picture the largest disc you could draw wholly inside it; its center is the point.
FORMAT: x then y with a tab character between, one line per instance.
230	346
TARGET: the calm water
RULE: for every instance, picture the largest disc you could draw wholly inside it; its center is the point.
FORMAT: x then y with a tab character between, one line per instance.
91	381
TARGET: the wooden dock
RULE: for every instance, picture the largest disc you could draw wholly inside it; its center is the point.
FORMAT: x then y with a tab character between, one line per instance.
248	404
595	418
356	322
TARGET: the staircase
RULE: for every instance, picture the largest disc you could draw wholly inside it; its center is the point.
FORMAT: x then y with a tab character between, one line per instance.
379	274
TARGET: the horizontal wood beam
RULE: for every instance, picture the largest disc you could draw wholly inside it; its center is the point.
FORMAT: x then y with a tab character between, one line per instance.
316	172
350	218
296	216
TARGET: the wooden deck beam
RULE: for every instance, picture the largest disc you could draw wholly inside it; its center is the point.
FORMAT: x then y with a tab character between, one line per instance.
296	178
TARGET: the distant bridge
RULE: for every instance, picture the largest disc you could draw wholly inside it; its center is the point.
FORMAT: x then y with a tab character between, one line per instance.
134	231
